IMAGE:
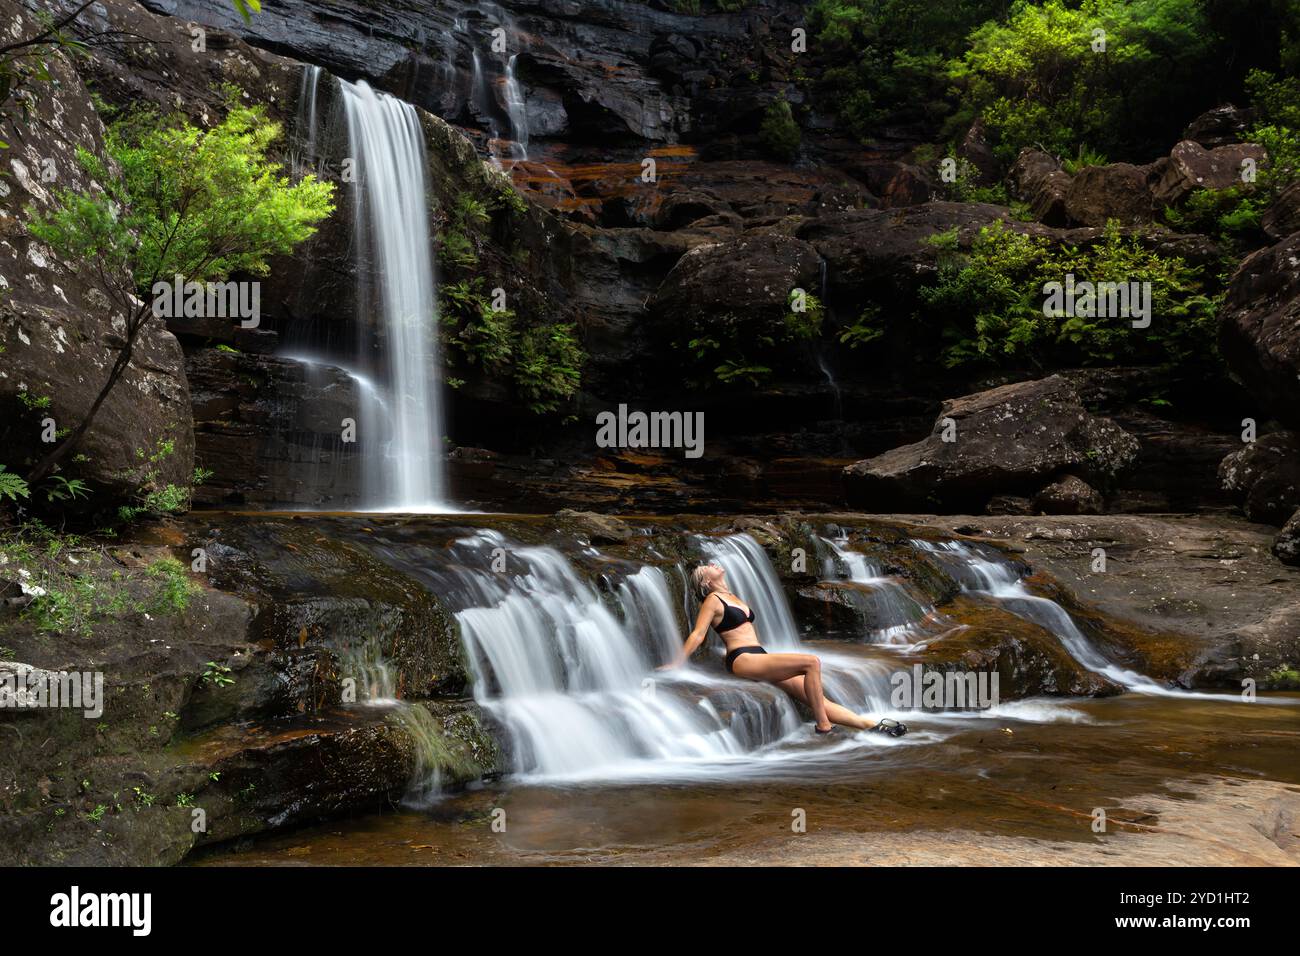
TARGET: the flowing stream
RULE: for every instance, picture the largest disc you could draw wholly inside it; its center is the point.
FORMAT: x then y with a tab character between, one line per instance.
566	662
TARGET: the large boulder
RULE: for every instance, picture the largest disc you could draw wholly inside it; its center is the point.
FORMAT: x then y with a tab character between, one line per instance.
1036	178
745	283
1191	166
1287	543
1219	126
60	334
1264	477
1259	331
1005	440
1098	194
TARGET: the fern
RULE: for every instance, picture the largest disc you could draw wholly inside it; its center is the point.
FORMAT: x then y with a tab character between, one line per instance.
12	486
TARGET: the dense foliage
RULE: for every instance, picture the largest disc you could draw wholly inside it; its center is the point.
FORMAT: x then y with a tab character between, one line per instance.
1118	77
541	360
990	303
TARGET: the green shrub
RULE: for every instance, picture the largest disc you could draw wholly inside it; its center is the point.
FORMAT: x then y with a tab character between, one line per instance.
779	132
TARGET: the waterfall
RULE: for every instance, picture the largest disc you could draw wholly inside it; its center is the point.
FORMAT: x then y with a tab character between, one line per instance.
404	469
517	111
306	120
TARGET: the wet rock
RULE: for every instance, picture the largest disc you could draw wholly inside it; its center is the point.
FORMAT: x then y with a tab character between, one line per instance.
1098	194
1259	334
328	610
1069	496
1007	438
1036	178
1286	546
1195	590
597	528
1028	659
1191	166
269	430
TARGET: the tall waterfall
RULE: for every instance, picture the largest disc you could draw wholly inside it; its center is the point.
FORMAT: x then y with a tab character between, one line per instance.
397	283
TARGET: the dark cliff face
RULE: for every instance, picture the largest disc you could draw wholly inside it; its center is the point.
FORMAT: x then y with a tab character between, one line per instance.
605	89
574	105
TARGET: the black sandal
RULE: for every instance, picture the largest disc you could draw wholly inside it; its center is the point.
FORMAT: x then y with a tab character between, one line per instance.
831	729
887	725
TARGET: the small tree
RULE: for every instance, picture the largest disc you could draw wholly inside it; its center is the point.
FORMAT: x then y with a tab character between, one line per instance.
190	202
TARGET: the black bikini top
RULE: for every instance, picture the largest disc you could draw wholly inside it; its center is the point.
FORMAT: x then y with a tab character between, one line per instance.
732	617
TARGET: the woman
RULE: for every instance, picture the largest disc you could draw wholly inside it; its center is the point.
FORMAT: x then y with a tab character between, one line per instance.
799	675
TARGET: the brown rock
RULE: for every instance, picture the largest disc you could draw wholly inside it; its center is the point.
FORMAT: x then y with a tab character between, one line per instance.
1098	194
1259	330
1069	496
1036	178
1192	166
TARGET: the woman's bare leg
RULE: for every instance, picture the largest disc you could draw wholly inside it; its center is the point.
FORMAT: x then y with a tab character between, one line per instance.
775	668
838	715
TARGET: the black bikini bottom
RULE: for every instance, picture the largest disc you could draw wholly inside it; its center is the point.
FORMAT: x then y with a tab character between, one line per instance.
736	652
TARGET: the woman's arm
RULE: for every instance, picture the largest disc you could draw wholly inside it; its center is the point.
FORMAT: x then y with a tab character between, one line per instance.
696	637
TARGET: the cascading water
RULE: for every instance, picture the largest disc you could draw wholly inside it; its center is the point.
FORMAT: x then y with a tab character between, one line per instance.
1001	581
888	603
397	281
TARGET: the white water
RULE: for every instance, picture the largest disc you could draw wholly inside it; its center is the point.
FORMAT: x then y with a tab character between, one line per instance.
306	120
517	110
890	605
397	282
1000	580
569	670
567	666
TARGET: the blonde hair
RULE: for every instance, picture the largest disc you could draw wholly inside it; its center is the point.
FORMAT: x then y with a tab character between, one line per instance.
698	578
